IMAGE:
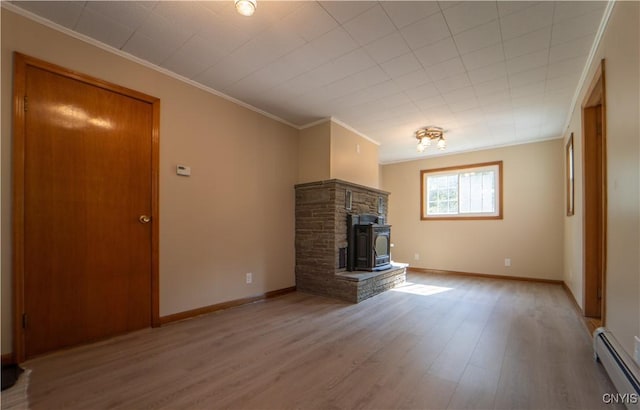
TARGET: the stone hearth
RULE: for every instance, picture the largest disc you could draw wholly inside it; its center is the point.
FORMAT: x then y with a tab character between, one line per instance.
321	241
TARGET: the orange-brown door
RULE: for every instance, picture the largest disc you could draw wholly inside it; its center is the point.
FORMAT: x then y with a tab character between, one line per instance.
87	209
595	199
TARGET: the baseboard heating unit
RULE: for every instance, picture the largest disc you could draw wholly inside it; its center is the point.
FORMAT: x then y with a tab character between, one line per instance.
622	370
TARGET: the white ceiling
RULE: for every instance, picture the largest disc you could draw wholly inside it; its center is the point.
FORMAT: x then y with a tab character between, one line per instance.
490	73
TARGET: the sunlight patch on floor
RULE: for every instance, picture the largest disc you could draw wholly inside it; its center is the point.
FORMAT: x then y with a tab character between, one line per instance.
420	289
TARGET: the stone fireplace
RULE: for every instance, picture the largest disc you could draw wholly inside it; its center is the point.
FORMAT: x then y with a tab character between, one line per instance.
322	245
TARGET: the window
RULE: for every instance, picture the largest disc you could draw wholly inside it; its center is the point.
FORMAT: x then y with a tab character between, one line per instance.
463	192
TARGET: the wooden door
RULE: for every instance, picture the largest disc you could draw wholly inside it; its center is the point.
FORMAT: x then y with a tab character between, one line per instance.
593	210
88	203
595	198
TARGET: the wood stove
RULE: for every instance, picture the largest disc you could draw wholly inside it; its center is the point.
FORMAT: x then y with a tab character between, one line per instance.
369	243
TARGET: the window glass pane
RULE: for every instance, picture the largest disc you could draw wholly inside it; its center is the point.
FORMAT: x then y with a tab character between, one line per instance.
476	193
465	192
468	191
488	192
442	189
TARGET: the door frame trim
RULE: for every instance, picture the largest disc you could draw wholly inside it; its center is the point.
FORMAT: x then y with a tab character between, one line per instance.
20	64
596	95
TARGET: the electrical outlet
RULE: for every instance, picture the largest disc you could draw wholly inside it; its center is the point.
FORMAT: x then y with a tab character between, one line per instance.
507	262
636	351
249	277
416	256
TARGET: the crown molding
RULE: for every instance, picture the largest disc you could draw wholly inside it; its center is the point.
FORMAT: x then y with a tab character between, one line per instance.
466	151
52	25
340	123
355	131
314	123
592	53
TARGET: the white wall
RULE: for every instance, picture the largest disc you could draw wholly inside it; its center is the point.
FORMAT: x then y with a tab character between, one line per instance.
329	150
235	214
314	153
530	234
620	47
353	158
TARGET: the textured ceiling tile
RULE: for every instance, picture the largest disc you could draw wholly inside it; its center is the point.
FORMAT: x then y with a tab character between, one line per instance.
484	57
194	57
412	79
453	82
566	67
470	117
426	31
310	21
103	28
571	49
403	13
528	62
577	27
479	37
526	77
388	47
334	43
344	11
527	20
401	65
470	14
527	91
516	63
438	52
129	13
491	87
306	57
458	106
488	73
223	34
446	69
567	10
371	76
370	26
148	49
426	103
64	13
528	43
427	90
509	7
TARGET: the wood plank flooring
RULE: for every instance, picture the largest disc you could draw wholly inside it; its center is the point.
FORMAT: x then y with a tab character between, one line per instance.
440	341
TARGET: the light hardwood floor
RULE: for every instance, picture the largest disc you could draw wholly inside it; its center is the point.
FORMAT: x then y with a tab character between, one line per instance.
440	341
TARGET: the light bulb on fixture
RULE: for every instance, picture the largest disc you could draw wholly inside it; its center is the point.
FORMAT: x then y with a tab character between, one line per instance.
246	7
426	135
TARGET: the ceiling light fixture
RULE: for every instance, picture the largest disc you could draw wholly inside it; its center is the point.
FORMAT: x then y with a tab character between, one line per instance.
426	135
246	7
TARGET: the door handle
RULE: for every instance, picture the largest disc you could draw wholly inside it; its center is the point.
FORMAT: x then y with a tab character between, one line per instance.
144	219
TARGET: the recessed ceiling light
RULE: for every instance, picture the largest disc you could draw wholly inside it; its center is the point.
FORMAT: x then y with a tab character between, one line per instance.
246	7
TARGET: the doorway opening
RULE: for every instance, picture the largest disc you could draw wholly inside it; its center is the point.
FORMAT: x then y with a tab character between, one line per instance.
595	200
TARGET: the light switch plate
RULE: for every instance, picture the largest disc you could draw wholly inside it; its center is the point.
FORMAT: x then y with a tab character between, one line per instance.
183	170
